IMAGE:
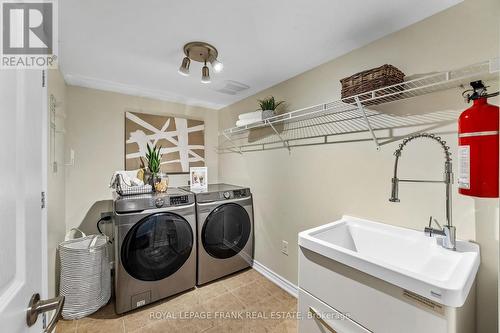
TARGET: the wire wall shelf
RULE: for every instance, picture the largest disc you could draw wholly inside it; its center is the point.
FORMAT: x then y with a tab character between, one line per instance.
345	119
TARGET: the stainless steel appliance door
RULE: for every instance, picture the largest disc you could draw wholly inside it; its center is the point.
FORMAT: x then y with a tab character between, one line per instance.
156	246
226	231
226	235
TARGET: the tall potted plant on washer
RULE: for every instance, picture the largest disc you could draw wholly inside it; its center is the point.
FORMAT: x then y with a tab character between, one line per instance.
156	178
268	106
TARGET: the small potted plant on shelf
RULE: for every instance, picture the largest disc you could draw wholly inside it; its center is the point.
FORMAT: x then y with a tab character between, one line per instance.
153	175
268	106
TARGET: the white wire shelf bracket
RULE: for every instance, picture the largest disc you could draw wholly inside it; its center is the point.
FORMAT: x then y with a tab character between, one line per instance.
320	124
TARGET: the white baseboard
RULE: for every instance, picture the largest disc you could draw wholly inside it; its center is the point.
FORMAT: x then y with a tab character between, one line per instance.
277	279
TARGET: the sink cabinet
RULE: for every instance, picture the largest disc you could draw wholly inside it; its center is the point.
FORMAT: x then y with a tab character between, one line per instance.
334	297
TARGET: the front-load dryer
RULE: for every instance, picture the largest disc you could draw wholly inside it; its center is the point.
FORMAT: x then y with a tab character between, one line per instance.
155	247
225	231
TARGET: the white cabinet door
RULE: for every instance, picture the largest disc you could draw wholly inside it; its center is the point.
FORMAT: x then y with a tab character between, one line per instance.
22	175
318	317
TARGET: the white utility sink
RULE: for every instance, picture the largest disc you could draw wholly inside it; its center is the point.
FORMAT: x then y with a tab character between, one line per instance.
406	258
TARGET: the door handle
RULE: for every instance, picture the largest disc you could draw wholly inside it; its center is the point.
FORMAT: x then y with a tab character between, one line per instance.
323	322
37	306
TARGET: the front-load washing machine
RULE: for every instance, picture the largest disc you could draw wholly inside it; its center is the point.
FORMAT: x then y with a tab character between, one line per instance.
155	247
225	231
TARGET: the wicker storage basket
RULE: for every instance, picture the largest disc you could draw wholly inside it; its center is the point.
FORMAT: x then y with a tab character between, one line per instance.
371	79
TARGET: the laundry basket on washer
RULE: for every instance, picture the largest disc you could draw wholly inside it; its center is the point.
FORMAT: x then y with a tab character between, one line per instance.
85	274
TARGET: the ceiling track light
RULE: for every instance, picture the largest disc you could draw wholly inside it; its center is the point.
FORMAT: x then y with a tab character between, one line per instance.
201	52
184	69
205	74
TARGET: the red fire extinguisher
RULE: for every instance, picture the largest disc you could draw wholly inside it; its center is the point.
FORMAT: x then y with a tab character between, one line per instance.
478	145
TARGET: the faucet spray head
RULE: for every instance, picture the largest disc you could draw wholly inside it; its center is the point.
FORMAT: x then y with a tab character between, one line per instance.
394	190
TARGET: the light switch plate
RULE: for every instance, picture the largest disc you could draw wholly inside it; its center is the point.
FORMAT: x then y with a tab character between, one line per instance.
284	247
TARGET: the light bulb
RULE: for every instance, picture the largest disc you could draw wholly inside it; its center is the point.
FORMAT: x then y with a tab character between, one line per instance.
217	66
184	69
205	74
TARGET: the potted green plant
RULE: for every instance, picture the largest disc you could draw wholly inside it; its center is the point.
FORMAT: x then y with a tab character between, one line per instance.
268	106
153	175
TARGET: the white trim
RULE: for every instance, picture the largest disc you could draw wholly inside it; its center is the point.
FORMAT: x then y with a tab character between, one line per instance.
94	83
276	279
44	170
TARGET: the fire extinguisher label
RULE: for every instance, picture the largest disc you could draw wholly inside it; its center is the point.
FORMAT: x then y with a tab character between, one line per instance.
464	167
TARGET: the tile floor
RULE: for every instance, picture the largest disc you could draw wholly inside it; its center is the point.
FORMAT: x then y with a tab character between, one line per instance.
243	302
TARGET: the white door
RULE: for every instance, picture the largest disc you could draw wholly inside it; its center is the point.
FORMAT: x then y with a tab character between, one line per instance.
22	181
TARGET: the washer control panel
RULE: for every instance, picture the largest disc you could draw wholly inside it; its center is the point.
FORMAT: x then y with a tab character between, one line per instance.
141	202
179	200
159	202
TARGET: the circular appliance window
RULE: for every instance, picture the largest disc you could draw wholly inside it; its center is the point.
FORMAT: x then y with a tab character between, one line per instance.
226	231
157	246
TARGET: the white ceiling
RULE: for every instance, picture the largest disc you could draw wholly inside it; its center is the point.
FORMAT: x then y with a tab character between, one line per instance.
135	47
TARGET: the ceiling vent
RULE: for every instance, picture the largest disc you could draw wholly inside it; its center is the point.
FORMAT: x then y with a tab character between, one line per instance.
230	87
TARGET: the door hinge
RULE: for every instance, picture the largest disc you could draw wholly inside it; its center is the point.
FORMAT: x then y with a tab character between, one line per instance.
43	199
43	78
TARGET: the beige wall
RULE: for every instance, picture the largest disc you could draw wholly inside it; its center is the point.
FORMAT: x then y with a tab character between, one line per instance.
56	227
95	131
315	185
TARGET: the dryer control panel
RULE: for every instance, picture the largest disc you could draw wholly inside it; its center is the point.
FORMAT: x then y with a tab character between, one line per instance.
234	194
241	193
220	192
